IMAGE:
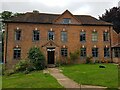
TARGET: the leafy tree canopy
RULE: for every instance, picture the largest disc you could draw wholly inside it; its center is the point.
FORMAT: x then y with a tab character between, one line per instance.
6	14
113	16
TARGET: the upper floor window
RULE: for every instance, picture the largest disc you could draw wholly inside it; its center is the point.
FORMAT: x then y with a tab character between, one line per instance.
18	35
82	36
36	34
95	52
66	20
64	52
51	35
105	36
106	52
83	52
17	53
94	36
64	36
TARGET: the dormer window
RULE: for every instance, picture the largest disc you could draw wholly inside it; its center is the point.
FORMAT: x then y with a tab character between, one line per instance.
66	20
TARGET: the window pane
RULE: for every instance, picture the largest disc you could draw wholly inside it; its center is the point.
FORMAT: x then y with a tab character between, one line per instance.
94	36
83	52
64	36
106	36
64	52
17	35
35	35
95	52
116	52
83	36
66	21
106	52
50	35
17	53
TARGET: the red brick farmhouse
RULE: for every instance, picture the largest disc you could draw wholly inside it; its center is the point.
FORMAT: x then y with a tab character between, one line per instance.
58	35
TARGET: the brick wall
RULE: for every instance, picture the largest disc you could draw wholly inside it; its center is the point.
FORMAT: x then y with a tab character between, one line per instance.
73	43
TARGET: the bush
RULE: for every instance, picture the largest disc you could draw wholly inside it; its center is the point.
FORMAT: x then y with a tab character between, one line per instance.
24	66
3	69
21	66
8	72
58	63
74	55
36	58
88	59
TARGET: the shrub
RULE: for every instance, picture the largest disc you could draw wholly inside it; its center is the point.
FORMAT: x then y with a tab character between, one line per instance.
88	59
21	66
8	72
3	69
74	55
36	58
58	63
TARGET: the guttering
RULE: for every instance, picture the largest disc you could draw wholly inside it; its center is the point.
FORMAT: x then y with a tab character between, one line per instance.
92	24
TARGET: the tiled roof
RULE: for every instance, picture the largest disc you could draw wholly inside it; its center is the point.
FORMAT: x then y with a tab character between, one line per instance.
87	19
35	17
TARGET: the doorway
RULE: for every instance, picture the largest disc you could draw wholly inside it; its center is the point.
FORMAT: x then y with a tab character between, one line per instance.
50	54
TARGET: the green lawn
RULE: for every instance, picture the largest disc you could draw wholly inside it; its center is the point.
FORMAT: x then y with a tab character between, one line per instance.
0	76
91	74
32	80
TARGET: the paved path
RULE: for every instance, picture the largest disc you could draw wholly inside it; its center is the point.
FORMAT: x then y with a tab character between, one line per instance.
68	83
63	80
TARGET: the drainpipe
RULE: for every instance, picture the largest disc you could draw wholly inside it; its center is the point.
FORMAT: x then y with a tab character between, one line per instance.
6	42
110	28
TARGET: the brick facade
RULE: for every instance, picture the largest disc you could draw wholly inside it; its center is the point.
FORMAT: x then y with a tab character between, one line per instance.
73	38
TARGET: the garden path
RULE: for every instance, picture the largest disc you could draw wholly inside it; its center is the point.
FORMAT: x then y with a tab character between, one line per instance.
68	83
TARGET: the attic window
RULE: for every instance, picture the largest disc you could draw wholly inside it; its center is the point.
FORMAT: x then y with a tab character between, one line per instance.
66	20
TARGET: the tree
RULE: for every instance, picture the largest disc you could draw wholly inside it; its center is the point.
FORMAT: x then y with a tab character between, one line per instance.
36	58
113	16
6	15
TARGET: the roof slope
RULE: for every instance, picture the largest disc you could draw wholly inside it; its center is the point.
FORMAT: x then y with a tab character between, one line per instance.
35	17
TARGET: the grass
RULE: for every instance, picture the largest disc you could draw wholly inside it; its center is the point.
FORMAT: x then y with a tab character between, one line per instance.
91	74
0	76
33	80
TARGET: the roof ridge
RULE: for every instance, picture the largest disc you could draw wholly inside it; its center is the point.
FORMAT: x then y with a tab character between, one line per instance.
41	13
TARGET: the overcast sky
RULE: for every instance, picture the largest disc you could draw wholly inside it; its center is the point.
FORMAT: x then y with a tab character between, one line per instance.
79	7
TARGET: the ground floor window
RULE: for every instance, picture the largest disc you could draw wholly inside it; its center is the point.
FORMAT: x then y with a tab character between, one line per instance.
95	52
106	52
64	52
116	52
17	53
83	52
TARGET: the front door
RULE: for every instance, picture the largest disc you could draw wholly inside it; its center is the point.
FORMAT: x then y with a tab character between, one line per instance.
50	57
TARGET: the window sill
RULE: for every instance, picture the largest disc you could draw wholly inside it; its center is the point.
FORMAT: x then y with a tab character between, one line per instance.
34	41
64	42
83	57
16	58
18	40
94	41
95	57
83	41
106	41
107	57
